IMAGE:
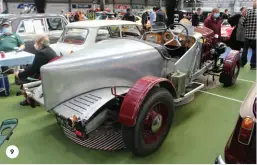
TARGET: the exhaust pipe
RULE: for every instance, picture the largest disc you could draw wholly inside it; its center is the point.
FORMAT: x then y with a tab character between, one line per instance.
31	85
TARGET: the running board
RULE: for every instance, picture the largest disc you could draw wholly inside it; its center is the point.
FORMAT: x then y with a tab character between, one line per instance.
195	88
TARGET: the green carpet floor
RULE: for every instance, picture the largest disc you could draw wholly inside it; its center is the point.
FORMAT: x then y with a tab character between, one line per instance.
199	133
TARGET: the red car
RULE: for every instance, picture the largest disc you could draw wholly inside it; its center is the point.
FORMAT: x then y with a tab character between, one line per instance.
241	146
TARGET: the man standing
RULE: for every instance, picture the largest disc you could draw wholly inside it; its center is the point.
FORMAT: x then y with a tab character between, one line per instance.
129	16
153	17
249	22
213	22
160	15
225	14
237	38
196	17
145	19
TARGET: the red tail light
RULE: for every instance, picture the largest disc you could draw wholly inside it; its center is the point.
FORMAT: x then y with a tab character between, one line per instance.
246	131
2	54
78	133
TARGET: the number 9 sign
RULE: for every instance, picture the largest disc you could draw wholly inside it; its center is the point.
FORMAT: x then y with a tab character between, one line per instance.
12	152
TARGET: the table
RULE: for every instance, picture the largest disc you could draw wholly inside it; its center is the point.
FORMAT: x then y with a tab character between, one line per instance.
14	59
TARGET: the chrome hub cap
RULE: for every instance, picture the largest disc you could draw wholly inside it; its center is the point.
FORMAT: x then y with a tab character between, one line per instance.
157	123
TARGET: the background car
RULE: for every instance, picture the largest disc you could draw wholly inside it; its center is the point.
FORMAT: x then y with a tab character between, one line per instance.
105	16
80	35
241	146
33	25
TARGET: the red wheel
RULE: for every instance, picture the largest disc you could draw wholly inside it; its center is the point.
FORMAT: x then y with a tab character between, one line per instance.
153	123
230	79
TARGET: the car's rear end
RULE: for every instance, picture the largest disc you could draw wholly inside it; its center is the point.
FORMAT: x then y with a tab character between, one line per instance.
241	146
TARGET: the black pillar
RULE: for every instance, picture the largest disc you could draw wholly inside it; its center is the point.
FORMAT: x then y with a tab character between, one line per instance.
113	3
6	6
40	5
171	7
102	3
69	5
146	2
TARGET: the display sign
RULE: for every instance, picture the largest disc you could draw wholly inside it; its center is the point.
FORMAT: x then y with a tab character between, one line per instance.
138	7
22	6
122	7
176	18
81	6
160	3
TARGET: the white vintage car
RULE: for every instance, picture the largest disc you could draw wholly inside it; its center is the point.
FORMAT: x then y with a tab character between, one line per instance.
80	35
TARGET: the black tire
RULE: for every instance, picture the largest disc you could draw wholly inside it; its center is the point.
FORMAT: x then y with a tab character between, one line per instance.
133	136
230	80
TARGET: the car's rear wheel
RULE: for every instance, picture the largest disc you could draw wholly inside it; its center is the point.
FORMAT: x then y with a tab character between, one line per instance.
153	123
230	79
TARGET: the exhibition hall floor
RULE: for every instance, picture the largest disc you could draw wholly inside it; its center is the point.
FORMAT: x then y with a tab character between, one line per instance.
199	132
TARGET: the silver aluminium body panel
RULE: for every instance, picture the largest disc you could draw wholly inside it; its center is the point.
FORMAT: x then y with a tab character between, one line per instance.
118	63
80	84
85	105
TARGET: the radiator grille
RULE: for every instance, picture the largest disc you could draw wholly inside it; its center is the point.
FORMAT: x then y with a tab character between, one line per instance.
101	139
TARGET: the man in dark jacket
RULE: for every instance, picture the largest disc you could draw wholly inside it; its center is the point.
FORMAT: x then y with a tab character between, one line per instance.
236	41
225	14
160	15
249	22
43	56
76	17
145	16
196	17
129	16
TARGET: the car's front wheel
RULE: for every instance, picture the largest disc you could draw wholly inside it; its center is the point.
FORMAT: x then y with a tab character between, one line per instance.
153	123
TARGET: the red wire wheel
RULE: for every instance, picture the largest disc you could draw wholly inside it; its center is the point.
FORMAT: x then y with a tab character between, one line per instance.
230	79
153	123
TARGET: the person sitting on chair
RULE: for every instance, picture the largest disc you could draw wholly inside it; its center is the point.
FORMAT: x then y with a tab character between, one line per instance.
10	41
43	56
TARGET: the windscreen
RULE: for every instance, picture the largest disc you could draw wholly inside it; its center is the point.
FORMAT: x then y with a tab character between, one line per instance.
130	30
74	36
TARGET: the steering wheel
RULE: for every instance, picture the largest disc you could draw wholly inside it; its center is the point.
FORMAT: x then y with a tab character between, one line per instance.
175	37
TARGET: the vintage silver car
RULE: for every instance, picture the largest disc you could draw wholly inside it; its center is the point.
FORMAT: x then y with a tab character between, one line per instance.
241	146
123	92
81	35
29	26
